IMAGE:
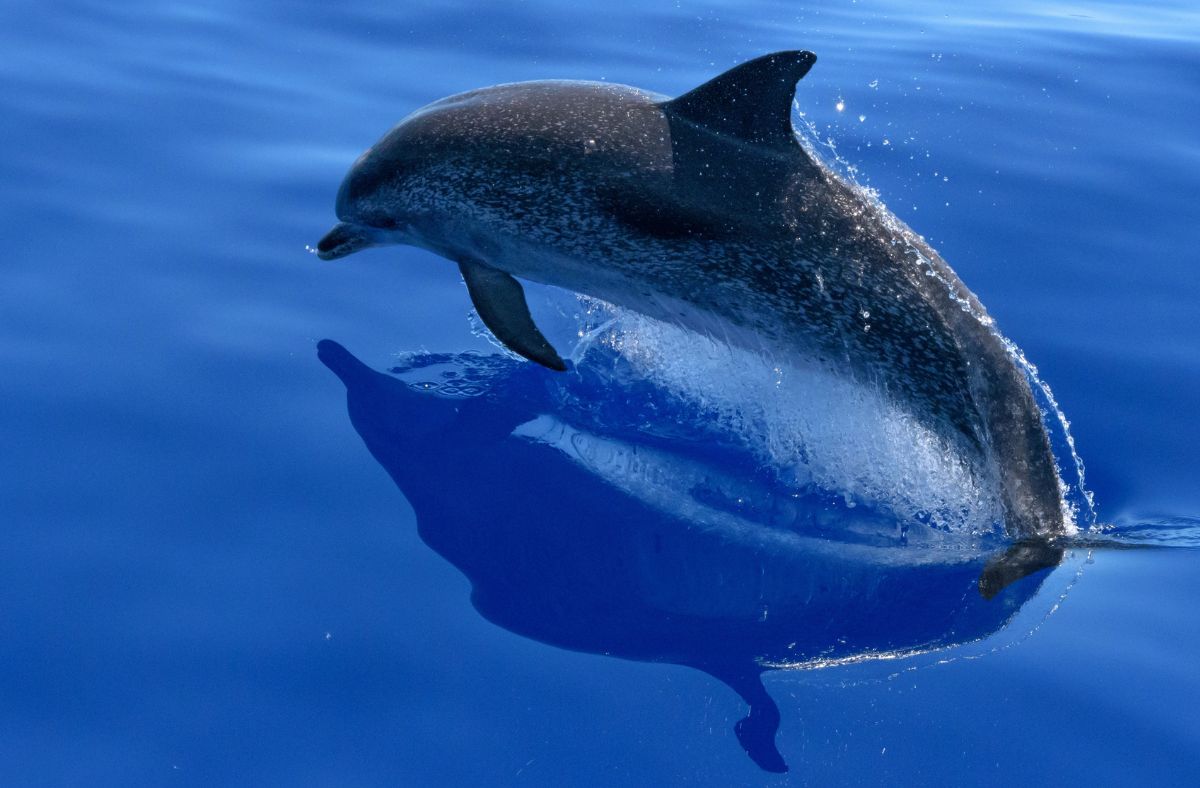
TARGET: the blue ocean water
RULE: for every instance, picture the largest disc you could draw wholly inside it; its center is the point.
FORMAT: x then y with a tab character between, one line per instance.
211	571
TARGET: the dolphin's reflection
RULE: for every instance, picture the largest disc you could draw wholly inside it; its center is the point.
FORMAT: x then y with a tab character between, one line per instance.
634	549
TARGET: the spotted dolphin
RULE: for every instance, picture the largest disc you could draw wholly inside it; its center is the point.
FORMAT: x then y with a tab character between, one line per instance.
705	210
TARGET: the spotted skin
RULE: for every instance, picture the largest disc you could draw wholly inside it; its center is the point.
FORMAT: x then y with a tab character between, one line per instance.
619	194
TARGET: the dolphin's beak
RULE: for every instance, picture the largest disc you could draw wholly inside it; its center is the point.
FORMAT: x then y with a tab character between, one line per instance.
342	362
344	239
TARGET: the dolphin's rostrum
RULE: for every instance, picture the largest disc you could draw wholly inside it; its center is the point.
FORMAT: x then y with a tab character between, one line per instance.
705	210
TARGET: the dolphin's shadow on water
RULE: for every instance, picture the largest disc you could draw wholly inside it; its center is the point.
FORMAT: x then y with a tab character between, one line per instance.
655	548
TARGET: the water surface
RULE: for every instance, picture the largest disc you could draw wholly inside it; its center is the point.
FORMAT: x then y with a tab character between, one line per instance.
206	578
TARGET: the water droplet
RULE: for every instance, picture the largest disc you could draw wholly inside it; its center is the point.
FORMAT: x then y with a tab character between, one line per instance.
841	105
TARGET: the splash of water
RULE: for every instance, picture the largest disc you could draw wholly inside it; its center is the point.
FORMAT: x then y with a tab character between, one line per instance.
1146	531
815	429
1079	502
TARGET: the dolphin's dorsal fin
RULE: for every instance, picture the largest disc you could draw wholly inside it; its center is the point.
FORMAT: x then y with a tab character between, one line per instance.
500	302
752	101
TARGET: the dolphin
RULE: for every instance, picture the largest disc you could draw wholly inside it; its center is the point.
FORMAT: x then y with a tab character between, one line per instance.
705	210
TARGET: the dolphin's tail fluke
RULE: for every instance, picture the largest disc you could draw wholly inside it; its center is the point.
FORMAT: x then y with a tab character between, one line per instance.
1016	563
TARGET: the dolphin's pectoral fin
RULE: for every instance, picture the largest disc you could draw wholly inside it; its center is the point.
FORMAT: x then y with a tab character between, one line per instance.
500	302
752	101
1017	562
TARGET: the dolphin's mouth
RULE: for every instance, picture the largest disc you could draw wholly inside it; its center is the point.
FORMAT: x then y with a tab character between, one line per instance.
344	239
